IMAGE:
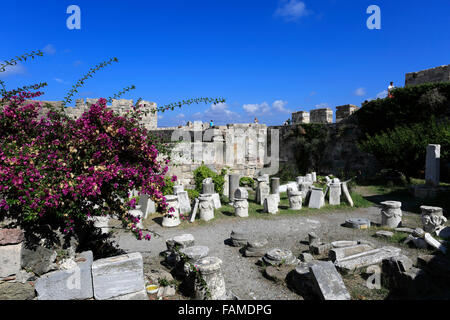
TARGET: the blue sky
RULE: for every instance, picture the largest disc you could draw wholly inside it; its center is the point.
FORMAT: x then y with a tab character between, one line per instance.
268	58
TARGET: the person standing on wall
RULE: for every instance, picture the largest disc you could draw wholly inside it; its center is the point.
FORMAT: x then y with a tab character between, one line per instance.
211	124
390	88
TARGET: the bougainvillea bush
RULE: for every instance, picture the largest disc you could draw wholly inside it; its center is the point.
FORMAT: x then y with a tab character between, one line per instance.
59	171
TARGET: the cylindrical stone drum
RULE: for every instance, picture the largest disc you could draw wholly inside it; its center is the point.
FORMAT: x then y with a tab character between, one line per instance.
206	207
391	214
171	219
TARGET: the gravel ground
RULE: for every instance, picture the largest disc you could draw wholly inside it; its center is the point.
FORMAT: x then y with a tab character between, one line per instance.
242	276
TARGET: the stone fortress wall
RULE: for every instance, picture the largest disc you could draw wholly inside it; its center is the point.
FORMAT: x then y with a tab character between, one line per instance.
438	74
121	106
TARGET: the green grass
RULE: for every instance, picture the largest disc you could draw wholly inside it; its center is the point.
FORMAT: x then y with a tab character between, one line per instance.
399	237
257	211
415	182
404	195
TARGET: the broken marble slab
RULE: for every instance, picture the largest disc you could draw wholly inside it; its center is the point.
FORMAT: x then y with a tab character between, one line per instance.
365	259
74	283
328	283
180	242
404	229
435	243
344	243
118	276
320	248
194	211
384	234
339	254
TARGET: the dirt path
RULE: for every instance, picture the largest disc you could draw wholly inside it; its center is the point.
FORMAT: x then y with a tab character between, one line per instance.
241	274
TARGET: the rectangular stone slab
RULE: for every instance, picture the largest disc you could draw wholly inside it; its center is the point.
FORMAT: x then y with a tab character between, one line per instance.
194	211
316	199
118	276
73	284
347	194
216	201
10	259
432	169
356	262
147	205
184	202
338	254
143	202
328	283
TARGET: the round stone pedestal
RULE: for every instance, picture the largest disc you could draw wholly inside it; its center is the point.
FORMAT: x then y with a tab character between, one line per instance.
358	223
391	214
206	207
275	257
240	207
295	200
433	219
137	213
102	223
213	281
172	219
239	238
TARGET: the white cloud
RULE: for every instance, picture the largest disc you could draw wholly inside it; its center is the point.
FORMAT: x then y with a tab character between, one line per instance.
264	108
360	92
256	108
13	70
60	81
77	63
180	116
220	110
218	113
313	93
160	116
291	10
279	105
49	49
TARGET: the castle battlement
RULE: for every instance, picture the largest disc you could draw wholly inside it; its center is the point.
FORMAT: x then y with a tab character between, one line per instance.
121	106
